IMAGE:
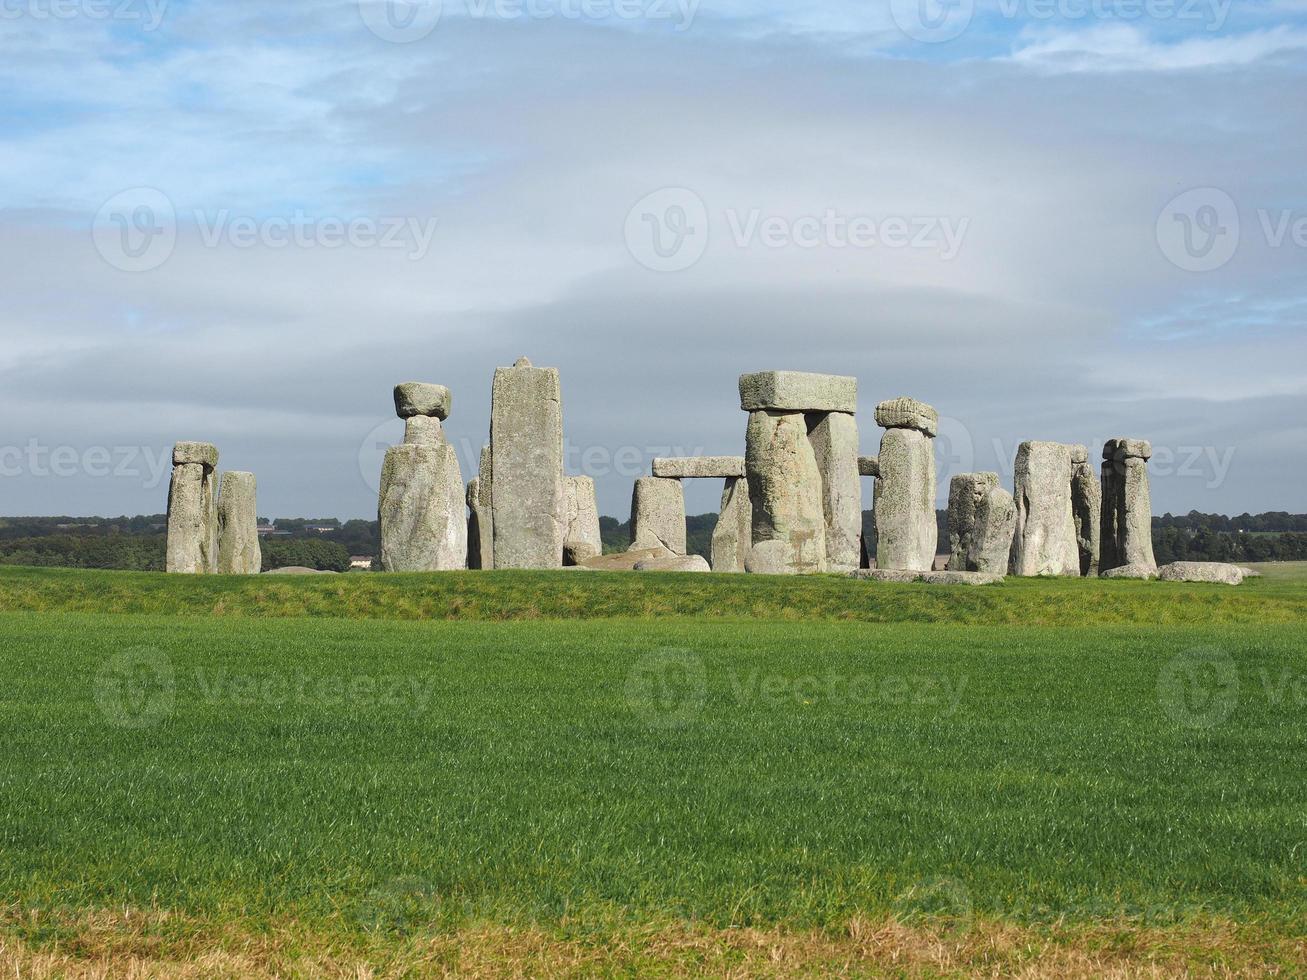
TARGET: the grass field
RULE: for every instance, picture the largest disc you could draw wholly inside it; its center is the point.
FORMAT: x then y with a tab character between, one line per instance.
559	773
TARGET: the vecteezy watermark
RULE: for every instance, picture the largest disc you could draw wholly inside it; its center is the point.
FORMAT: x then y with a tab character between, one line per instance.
148	13
137	230
940	901
34	458
669	230
937	21
135	688
406	21
1211	464
1198	688
667	687
1200	229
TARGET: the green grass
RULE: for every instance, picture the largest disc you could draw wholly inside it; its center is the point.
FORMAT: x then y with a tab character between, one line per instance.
1142	761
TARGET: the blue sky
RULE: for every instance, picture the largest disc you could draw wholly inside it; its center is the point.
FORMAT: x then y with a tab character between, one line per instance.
243	223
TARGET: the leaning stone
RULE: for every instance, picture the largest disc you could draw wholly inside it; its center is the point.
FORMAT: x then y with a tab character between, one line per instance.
1044	541
732	535
676	563
785	493
798	391
927	578
623	561
529	516
868	466
1201	571
204	453
238	525
423	430
834	438
421	510
417	398
582	538
1086	508
699	467
907	413
658	514
192	543
904	501
1130	571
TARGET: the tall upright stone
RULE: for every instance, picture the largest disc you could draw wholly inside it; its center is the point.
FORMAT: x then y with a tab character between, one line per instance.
582	539
904	495
732	537
192	546
480	532
239	552
1127	509
801	461
1086	507
1044	541
528	503
420	506
658	514
981	520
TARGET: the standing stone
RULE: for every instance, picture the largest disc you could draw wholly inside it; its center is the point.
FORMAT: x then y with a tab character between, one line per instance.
834	438
981	519
529	519
658	514
582	540
1086	507
420	510
1127	511
192	546
733	534
785	493
480	534
423	430
904	495
1044	542
238	525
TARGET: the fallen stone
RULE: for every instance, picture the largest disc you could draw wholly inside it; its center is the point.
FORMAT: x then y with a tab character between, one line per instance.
732	535
423	430
798	391
907	413
1130	571
868	466
239	552
577	553
1201	571
658	514
904	501
299	570
834	439
1044	540
529	518
417	398
676	563
421	510
623	561
785	493
204	453
927	577
582	539
699	467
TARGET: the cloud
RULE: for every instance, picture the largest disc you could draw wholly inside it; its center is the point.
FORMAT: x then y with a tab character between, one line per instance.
1120	47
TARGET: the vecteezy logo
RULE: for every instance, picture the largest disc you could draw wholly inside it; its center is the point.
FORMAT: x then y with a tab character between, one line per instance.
372	451
400	21
667	687
1199	688
135	688
932	21
136	231
944	901
1198	231
667	231
955	452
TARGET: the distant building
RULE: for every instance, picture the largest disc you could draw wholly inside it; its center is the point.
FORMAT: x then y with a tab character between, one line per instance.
321	528
361	561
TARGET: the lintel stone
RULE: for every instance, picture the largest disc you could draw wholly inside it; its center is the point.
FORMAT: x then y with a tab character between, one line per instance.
699	467
798	391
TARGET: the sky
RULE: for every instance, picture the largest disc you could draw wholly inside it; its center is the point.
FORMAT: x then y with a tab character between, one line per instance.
244	222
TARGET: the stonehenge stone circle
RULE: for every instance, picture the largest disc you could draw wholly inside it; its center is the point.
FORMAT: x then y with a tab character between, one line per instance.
658	514
1126	536
699	467
733	534
238	525
582	540
192	546
981	521
529	519
413	398
789	523
1044	541
1086	507
904	495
